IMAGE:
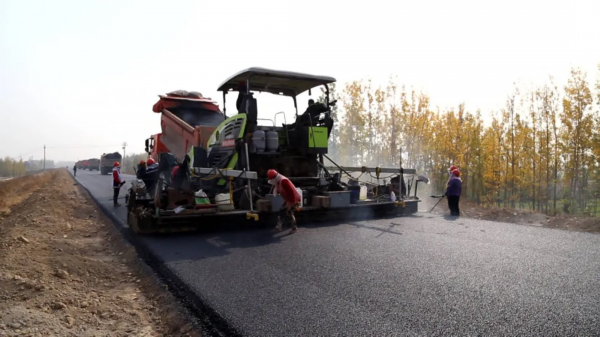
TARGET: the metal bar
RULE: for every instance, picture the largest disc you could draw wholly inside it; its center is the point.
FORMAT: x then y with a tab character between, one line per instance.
227	172
371	169
249	186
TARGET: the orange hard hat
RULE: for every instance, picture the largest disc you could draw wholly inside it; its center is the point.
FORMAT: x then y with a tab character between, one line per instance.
456	172
150	161
452	168
271	174
142	162
116	164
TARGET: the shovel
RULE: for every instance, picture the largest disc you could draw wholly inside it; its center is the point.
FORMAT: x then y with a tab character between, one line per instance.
436	196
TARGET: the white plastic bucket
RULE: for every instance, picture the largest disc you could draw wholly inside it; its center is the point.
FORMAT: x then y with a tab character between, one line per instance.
363	193
222	201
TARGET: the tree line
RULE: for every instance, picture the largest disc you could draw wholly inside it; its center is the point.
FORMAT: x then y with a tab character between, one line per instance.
11	167
540	151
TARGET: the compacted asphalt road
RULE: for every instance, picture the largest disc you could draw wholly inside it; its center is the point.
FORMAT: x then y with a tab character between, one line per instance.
412	276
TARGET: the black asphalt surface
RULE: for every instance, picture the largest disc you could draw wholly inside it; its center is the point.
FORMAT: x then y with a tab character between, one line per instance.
412	276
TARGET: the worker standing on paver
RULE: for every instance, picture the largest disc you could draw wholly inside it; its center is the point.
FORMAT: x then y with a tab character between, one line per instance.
151	175
117	182
453	192
291	197
141	170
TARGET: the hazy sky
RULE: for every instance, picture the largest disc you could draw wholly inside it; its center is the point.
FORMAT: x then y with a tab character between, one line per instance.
82	76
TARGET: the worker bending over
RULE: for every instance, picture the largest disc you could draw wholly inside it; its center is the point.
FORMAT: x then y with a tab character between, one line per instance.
453	192
291	198
117	182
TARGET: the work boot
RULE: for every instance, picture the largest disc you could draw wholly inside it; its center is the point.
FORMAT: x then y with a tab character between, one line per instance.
279	225
116	204
294	227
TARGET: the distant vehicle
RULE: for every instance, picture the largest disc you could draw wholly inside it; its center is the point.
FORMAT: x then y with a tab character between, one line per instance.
107	160
94	164
85	164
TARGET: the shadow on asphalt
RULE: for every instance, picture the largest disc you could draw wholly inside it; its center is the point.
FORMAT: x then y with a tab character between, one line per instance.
197	246
217	243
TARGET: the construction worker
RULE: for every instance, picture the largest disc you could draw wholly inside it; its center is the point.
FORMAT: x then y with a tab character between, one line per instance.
453	192
75	170
291	196
452	168
151	175
141	171
117	182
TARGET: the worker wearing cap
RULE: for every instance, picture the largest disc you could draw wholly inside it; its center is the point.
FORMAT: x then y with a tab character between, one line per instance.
453	192
452	168
151	176
117	182
290	195
141	171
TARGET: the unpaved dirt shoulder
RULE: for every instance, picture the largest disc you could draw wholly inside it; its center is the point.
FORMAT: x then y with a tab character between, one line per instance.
523	217
66	271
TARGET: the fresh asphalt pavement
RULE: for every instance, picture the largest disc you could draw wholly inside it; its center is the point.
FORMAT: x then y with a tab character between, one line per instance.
411	276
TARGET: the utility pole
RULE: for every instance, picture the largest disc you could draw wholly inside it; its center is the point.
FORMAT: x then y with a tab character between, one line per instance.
44	158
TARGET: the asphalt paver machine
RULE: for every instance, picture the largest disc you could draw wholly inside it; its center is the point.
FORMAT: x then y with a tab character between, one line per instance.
221	179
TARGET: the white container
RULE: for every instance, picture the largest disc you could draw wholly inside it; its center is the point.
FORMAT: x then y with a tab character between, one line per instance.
272	141
259	140
301	196
393	196
222	201
363	193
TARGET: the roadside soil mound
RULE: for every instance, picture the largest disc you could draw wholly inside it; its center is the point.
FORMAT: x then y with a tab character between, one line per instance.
522	217
66	271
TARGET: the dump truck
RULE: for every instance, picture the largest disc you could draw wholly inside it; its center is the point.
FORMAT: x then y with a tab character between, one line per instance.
223	162
154	144
107	160
85	164
94	164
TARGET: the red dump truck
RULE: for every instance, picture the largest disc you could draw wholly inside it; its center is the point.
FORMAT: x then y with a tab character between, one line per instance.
86	164
94	164
187	119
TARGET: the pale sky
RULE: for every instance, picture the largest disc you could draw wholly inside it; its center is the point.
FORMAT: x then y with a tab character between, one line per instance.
82	76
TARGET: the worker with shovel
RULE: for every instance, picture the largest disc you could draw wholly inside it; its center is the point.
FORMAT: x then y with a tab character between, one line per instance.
453	192
291	197
118	182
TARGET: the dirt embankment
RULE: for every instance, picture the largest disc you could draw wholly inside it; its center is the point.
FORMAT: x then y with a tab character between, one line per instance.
522	217
66	271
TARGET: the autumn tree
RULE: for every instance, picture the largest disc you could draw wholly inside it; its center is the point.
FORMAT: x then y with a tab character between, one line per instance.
576	133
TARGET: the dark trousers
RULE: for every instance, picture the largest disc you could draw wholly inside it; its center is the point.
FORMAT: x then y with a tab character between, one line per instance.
116	194
286	213
453	205
75	172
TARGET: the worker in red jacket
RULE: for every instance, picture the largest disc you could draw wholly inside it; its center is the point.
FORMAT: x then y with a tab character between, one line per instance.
117	182
291	196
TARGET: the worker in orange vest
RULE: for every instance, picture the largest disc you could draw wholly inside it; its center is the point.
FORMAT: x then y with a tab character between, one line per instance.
291	197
